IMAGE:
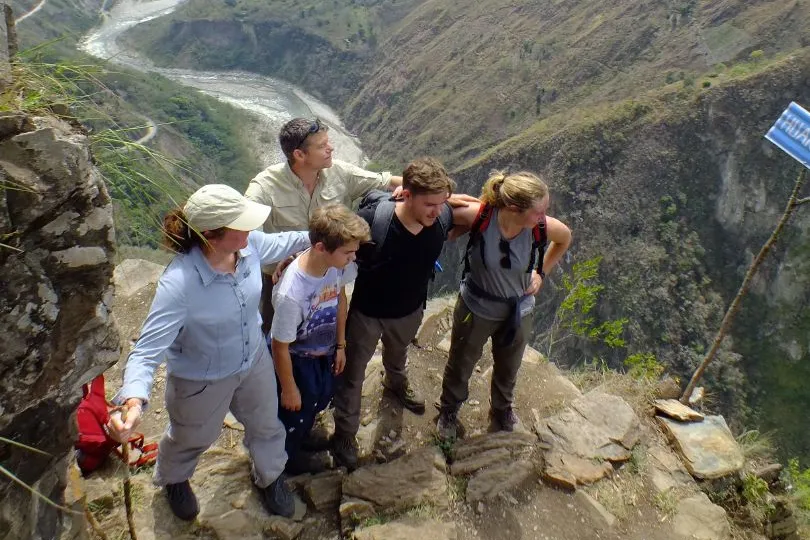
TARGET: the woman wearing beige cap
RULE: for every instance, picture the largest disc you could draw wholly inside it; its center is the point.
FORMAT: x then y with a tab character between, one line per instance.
205	321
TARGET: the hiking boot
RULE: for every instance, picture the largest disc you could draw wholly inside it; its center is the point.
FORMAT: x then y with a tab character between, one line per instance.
307	462
315	442
505	420
182	500
344	450
277	499
447	425
407	396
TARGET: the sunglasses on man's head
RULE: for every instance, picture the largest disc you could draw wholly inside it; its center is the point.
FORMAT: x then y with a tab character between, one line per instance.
506	260
314	128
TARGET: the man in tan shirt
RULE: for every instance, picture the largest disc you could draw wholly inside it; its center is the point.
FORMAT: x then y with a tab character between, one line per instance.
310	178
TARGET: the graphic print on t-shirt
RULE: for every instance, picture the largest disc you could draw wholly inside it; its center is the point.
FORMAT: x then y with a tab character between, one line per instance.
318	332
306	308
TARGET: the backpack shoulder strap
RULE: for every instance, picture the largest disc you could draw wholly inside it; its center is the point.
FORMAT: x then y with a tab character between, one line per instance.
539	242
482	219
381	222
446	220
480	224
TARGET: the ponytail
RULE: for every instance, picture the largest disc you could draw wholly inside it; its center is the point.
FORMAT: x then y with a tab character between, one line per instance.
491	192
177	235
521	190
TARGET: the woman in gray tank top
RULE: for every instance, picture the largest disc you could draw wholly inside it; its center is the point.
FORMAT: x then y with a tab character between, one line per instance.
504	268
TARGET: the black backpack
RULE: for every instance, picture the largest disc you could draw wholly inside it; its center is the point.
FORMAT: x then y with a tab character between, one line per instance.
384	205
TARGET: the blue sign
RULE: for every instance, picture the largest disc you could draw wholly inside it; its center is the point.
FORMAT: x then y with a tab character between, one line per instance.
791	133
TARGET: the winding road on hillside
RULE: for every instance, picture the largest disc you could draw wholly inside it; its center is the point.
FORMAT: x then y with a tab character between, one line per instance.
151	131
273	101
33	10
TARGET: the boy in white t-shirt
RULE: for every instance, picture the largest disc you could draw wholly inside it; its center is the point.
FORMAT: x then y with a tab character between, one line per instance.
308	334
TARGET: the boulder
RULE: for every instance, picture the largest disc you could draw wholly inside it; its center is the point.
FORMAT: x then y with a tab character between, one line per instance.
600	517
596	430
497	479
132	275
323	491
353	512
417	478
480	461
514	442
676	410
707	449
409	529
568	471
697	518
666	470
667	388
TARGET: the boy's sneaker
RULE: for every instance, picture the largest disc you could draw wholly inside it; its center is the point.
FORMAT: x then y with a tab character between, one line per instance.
407	396
344	450
277	499
182	500
447	425
505	420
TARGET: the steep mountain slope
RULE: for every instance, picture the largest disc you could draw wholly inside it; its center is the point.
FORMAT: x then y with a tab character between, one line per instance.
451	77
677	191
198	138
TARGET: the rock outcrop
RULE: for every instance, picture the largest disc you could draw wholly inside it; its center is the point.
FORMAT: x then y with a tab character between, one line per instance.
707	448
699	519
56	246
597	430
418	478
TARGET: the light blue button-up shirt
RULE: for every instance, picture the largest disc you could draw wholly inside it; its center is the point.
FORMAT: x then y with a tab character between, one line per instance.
206	323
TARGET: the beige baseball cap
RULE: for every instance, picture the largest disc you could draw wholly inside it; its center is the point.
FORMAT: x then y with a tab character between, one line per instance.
216	205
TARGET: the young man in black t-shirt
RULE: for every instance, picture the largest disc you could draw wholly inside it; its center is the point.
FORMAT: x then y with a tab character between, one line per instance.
389	295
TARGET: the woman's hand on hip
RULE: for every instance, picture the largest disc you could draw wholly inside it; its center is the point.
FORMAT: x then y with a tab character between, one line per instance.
535	285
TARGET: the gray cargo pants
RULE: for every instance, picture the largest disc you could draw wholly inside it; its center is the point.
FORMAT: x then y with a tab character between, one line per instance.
362	335
196	411
470	333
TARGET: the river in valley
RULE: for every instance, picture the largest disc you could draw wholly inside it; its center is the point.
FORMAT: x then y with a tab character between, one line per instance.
271	100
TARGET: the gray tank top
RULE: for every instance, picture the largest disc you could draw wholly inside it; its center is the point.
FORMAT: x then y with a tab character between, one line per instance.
501	282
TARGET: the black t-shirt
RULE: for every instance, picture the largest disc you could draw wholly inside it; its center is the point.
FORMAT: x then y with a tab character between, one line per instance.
393	283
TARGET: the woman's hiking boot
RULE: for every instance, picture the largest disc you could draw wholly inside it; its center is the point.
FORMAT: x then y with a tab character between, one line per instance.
277	499
182	500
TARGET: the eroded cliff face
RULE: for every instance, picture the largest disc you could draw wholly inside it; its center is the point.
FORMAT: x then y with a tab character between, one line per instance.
678	192
56	265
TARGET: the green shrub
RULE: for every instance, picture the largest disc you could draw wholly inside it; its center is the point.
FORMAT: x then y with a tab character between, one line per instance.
643	366
799	480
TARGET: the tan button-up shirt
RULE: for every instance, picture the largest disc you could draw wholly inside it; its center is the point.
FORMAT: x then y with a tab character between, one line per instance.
278	187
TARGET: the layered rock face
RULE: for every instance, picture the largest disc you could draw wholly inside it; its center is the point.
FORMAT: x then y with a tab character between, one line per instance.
56	246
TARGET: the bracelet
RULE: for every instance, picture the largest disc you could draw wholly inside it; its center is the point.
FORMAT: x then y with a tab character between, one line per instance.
542	274
341	345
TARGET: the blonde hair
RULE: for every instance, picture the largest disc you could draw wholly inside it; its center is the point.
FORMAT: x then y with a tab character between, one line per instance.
522	190
334	226
427	176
